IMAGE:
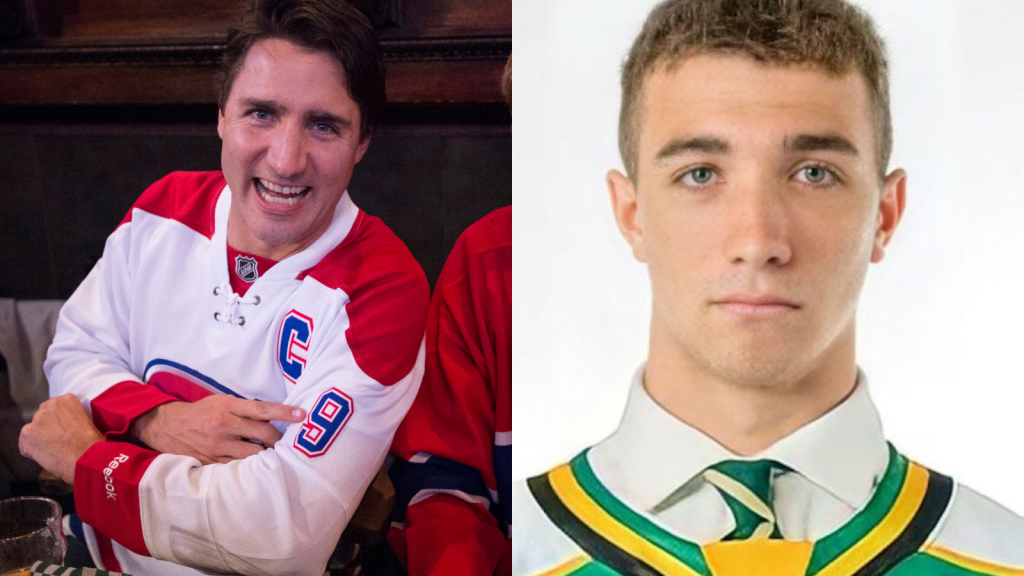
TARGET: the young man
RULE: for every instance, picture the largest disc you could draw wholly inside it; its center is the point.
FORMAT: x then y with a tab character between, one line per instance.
227	300
453	471
756	138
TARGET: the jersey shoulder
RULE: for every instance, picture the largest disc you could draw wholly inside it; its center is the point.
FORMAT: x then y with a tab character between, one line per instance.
369	255
186	197
482	255
388	297
490	232
979	535
541	547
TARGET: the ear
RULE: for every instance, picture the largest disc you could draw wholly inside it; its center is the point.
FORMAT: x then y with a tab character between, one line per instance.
220	123
890	211
622	192
362	147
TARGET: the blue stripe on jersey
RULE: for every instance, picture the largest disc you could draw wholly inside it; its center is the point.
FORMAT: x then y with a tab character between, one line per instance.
435	473
75	523
193	373
503	474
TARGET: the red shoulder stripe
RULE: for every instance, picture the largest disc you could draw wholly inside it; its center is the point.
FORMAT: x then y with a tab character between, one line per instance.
188	197
388	298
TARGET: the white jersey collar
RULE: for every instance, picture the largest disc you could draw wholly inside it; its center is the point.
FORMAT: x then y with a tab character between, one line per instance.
652	453
345	214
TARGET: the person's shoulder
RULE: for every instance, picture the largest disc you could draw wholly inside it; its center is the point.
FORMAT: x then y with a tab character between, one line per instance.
490	232
189	198
370	256
979	536
484	250
387	295
541	547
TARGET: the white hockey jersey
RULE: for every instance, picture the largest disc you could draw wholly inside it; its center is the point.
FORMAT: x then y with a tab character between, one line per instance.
336	329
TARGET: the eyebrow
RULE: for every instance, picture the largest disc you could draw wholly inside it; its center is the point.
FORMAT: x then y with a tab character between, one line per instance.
701	144
799	143
256	103
821	143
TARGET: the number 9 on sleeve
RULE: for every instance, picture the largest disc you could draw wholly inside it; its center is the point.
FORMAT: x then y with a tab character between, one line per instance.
328	416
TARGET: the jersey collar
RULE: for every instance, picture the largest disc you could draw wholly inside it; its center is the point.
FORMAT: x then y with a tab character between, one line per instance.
345	215
652	453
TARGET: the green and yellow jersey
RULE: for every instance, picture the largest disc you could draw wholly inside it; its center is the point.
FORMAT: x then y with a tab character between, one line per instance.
917	523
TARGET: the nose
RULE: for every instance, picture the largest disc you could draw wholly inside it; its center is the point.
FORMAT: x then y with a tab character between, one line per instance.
759	229
287	153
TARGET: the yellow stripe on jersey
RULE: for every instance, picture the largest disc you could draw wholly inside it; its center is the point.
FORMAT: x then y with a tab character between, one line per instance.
895	522
567	567
590	513
758	557
972	564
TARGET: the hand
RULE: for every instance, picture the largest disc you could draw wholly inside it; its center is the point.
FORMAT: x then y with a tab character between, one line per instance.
58	435
215	429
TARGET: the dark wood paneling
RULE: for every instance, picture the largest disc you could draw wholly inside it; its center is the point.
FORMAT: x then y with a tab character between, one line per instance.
455	18
135	22
156	52
408	82
109	85
445	81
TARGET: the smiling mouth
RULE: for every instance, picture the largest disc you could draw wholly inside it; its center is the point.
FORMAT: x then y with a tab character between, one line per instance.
280	194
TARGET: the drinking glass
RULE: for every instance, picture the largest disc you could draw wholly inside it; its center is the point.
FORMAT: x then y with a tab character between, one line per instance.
30	531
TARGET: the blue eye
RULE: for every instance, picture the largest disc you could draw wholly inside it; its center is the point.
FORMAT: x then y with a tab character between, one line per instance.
816	175
323	128
260	115
701	176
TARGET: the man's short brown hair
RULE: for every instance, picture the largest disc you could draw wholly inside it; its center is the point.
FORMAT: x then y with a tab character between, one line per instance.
829	34
506	82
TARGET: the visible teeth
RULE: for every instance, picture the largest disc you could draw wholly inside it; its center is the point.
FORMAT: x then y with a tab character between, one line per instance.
278	199
289	190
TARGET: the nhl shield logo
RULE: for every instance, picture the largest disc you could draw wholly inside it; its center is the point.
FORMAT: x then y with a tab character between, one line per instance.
246	268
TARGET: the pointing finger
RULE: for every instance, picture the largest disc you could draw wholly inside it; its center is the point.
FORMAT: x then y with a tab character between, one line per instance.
267	411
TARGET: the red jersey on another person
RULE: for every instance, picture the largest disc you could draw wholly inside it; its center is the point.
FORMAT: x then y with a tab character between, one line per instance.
453	469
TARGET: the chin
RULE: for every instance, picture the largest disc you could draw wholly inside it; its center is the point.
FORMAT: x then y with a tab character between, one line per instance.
276	235
759	367
284	238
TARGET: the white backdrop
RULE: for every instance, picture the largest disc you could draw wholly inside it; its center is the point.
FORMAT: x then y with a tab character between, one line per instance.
941	317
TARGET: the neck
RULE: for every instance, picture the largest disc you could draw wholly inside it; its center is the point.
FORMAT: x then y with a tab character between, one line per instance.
748	418
241	238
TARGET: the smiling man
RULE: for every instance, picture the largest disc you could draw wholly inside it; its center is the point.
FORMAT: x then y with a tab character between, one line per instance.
756	138
228	378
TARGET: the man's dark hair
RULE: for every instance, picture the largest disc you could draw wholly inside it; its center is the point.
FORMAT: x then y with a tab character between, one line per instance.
333	27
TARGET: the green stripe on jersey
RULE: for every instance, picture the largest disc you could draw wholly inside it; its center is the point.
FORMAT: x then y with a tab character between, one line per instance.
685	551
832	546
593	569
922	564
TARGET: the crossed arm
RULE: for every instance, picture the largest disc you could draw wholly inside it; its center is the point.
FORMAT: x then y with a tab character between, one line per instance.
216	429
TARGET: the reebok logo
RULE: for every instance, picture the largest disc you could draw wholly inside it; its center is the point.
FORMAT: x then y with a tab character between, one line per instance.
109	471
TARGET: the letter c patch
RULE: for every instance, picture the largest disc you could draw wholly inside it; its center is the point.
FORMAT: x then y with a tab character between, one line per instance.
293	344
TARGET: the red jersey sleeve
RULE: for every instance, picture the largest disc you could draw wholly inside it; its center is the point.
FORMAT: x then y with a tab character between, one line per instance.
452	471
